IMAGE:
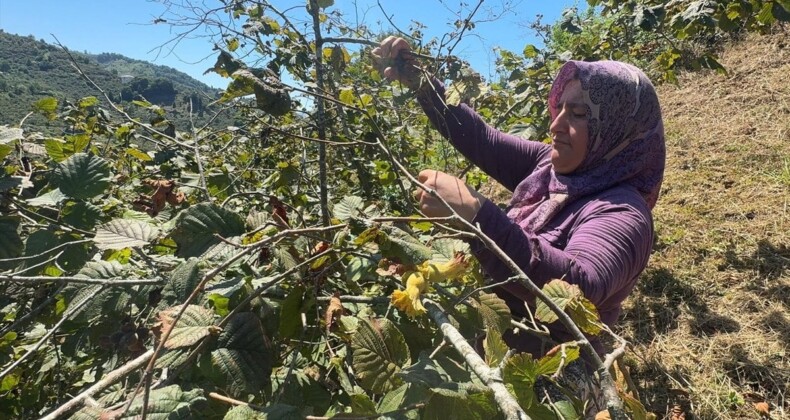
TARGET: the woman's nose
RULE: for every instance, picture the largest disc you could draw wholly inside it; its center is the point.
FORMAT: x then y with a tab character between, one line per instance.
560	122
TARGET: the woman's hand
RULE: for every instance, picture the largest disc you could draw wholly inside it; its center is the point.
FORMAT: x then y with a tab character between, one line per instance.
463	199
396	61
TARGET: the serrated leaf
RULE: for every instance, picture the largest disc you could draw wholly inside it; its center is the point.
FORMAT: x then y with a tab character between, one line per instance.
195	323
47	106
521	372
460	401
570	299
168	403
243	354
7	135
82	176
395	243
494	312
183	281
379	352
244	412
558	357
11	245
103	302
445	249
172	358
124	233
495	348
348	207
197	226
88	413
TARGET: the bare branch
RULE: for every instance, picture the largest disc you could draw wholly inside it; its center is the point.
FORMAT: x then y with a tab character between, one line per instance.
506	402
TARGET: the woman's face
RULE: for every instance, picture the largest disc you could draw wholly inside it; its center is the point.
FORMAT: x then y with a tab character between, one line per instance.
569	130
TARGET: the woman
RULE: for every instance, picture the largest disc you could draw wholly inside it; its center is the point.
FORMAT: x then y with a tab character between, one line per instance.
581	207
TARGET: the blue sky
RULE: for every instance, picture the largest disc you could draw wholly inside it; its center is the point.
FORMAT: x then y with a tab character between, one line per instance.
126	26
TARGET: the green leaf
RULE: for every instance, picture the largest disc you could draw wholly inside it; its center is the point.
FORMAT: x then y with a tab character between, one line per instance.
183	281
521	372
11	245
82	176
8	183
197	226
168	403
379	352
291	314
558	357
104	302
350	206
88	102
570	299
495	348
361	404
47	106
51	198
232	44
531	51
346	96
396	243
494	312
138	154
424	372
244	412
325	3
460	401
81	214
272	412
124	233
243	355
195	323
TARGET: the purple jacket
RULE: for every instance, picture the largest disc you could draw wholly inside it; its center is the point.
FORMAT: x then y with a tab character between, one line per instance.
600	242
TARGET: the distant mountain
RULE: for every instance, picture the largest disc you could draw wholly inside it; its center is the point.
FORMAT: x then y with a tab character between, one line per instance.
32	69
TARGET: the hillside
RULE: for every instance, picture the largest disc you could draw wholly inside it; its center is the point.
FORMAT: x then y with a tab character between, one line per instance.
31	69
710	321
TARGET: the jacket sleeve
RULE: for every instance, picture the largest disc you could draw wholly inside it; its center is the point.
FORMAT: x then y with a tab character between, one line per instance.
606	250
507	158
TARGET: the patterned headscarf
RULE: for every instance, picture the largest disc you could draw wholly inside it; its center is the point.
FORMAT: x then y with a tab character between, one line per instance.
625	144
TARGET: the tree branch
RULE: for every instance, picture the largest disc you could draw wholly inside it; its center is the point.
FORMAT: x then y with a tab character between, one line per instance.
506	402
36	280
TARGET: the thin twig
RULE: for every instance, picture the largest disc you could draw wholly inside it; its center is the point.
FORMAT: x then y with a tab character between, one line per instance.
33	312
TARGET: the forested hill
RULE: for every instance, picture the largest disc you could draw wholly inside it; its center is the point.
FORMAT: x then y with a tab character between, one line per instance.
32	69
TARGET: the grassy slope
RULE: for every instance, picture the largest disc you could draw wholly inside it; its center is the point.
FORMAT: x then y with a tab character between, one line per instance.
710	319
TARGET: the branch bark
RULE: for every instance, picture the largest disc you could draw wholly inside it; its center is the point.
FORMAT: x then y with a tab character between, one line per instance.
506	402
35	280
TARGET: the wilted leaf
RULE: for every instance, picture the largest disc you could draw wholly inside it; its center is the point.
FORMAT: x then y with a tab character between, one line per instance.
333	312
570	299
168	403
379	352
82	176
196	322
124	233
197	226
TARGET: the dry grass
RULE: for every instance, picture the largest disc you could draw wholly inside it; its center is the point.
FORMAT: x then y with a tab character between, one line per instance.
710	319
